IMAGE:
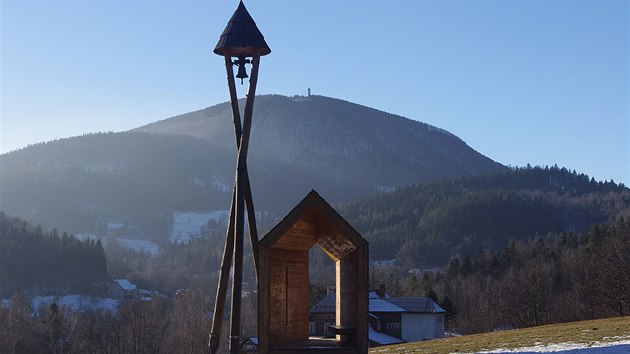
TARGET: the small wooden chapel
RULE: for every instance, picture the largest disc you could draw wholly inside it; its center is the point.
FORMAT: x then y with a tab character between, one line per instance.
283	283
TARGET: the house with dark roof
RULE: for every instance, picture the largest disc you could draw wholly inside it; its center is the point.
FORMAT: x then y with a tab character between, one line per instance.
391	319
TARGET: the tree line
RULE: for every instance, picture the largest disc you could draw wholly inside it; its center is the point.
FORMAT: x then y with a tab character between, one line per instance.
552	278
32	260
161	325
424	225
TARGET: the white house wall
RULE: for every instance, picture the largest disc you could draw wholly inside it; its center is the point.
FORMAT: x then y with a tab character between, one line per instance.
420	326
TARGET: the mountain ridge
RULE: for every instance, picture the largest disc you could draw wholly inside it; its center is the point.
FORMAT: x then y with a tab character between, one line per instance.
289	129
344	150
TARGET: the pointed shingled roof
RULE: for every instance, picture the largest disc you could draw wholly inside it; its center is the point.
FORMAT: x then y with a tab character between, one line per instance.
241	36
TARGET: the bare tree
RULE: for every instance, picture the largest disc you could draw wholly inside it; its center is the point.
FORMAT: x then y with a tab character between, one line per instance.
613	269
15	325
191	324
59	328
529	289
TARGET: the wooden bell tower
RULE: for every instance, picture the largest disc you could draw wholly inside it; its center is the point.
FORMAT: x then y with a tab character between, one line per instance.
241	44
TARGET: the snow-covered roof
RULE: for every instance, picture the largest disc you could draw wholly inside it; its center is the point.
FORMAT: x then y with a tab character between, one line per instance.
388	304
416	304
326	305
253	340
382	338
373	294
383	305
125	284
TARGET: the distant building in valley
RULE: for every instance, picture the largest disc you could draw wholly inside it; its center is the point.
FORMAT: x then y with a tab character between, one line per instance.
391	319
122	289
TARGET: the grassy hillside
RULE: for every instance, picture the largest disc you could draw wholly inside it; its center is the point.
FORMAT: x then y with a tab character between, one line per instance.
586	332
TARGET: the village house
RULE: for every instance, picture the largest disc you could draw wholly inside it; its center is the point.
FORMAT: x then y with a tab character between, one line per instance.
122	289
391	319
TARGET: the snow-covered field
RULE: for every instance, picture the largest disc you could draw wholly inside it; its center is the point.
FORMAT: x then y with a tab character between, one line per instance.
611	345
141	246
187	224
75	303
70	302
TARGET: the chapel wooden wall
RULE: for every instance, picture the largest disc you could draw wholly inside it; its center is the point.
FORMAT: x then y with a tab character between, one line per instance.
288	295
351	295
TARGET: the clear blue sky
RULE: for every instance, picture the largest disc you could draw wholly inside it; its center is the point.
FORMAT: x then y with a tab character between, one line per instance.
539	82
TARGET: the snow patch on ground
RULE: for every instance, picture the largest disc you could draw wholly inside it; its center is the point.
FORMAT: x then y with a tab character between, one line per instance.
384	189
221	187
111	226
74	303
140	246
81	236
613	347
188	224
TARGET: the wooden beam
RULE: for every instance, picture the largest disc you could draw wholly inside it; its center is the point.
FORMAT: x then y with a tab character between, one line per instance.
249	110
236	116
224	275
241	200
263	301
361	299
241	168
237	276
251	221
226	263
238	131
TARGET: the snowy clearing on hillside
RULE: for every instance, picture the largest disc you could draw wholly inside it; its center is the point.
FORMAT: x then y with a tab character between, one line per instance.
74	303
111	226
612	345
188	224
140	246
85	236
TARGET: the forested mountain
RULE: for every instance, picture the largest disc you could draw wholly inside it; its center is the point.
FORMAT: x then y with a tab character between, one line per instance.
340	140
423	225
558	277
343	150
80	184
34	260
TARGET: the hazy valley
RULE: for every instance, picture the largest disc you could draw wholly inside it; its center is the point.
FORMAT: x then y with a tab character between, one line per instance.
150	205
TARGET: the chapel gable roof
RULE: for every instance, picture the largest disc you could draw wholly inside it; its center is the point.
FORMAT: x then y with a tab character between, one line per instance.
314	221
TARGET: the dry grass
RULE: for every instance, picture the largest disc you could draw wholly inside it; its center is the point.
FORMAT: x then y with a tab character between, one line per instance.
604	330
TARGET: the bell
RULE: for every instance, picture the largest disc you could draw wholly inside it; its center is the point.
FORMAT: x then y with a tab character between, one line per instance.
242	73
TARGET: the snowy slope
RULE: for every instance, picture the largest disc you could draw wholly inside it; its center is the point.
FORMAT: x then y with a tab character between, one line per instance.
188	224
140	246
616	345
74	303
